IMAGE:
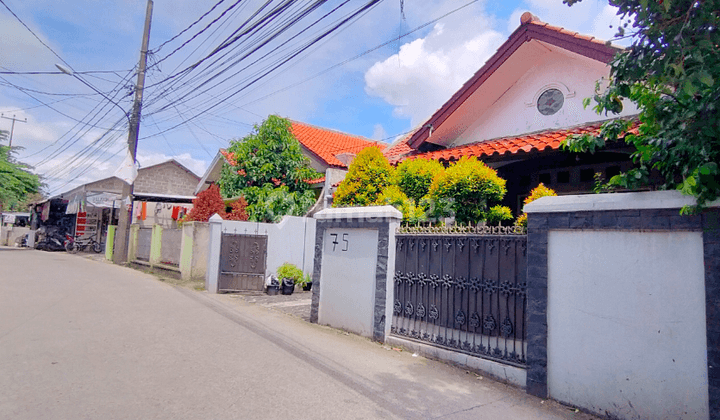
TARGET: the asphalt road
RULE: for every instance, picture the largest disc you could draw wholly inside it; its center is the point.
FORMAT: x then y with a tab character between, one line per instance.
83	339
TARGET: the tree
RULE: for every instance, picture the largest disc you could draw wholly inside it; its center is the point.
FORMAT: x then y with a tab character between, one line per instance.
465	189
17	183
672	72
210	202
206	204
268	164
368	176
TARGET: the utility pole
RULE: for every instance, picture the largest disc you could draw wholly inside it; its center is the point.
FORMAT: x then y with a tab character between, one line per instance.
123	235
12	127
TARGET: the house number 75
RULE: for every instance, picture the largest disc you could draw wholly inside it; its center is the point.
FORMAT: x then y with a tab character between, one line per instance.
344	239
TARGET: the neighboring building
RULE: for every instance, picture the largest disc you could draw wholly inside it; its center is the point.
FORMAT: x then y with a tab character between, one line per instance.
329	151
163	192
516	110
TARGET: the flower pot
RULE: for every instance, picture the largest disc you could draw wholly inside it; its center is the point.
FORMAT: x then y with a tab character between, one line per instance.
272	290
307	286
288	286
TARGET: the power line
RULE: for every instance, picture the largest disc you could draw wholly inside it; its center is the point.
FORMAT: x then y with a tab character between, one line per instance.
34	34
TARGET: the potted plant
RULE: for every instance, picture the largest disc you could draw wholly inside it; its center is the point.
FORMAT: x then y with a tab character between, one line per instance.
305	282
288	274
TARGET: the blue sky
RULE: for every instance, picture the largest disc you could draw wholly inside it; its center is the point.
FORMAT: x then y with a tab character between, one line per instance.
379	95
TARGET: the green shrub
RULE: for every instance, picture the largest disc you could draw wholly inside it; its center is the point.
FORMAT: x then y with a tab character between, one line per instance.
465	189
415	176
498	214
289	271
540	191
396	198
368	175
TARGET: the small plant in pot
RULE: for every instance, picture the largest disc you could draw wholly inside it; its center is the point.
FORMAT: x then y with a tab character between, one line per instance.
289	275
305	282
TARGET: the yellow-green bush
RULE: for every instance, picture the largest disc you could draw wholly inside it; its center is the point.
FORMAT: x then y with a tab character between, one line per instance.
368	175
415	176
465	189
498	214
539	191
393	196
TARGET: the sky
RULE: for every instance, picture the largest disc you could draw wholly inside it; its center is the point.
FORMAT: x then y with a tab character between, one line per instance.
384	71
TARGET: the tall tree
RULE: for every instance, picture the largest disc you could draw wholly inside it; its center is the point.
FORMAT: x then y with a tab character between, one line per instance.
17	183
268	169
672	72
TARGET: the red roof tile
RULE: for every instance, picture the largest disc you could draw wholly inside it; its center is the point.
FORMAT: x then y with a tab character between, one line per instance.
316	181
326	144
547	140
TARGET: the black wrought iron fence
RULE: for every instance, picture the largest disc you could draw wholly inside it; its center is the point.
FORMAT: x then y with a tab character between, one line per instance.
465	292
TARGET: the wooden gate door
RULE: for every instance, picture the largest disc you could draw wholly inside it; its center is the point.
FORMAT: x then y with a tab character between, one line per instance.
243	261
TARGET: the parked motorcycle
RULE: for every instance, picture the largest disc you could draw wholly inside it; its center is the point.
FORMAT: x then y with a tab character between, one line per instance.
51	238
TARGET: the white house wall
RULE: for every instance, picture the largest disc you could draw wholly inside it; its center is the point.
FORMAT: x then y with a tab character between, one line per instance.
515	112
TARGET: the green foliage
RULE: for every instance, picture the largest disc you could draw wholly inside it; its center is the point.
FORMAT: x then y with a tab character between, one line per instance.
270	203
368	176
268	168
396	198
672	72
414	176
290	271
17	183
498	214
465	189
540	191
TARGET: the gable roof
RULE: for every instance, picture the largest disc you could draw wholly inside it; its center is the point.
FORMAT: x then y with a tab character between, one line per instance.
326	144
531	28
507	146
171	161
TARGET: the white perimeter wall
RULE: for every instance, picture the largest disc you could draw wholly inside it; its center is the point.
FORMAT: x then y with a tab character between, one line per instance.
626	323
292	240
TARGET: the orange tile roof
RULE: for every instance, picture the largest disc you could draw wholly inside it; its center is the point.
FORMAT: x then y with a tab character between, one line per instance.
326	144
541	141
316	181
528	17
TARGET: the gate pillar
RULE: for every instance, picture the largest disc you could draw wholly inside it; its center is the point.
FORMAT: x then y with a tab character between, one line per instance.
213	263
351	282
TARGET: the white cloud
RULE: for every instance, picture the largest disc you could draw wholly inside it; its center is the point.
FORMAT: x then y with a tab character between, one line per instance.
198	166
379	132
590	17
20	49
427	71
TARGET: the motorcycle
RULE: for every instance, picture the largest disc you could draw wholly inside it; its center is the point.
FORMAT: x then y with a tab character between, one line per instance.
51	239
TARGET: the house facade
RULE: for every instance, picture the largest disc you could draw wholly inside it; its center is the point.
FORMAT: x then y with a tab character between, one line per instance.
517	109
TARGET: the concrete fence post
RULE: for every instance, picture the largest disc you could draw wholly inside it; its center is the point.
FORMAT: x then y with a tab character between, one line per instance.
133	242
156	245
186	250
110	243
213	261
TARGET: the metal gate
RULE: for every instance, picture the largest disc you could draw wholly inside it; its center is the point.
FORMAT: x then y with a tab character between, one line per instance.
243	261
463	292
